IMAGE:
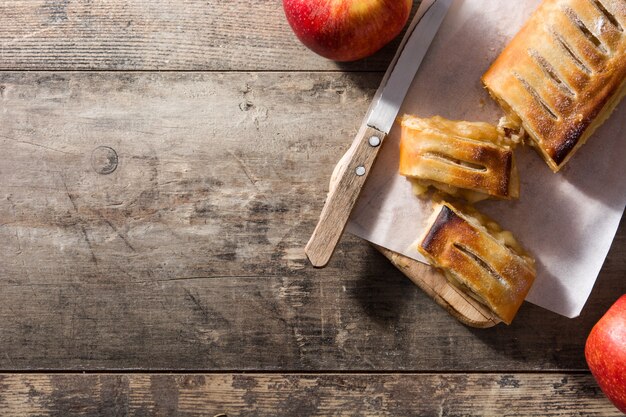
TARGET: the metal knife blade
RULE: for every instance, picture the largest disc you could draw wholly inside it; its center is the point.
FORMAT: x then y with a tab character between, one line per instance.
399	76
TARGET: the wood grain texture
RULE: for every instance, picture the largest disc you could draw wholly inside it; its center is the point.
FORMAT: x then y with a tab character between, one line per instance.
186	35
303	395
189	255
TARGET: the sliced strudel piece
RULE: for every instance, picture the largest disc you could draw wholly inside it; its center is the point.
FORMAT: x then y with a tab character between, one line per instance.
563	73
479	258
468	159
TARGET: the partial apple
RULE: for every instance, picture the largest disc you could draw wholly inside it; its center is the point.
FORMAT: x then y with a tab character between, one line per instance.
605	352
346	30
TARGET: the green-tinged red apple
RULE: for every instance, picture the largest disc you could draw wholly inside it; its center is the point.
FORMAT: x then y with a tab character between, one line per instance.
346	30
605	352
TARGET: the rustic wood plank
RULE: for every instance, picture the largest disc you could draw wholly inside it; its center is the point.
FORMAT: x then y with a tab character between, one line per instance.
229	395
189	255
158	35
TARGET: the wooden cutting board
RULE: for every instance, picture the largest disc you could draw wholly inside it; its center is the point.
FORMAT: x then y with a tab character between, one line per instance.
461	306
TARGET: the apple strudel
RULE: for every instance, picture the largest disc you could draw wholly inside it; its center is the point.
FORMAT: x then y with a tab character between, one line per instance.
473	160
479	258
563	73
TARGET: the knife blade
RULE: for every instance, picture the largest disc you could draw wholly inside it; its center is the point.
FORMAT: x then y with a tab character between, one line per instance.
398	78
354	167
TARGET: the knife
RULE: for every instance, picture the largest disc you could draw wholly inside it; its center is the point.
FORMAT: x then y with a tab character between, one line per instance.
354	167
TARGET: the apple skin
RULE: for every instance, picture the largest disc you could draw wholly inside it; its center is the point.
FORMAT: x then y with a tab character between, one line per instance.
605	352
346	30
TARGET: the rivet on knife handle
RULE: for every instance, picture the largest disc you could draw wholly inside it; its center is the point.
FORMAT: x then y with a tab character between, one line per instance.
342	195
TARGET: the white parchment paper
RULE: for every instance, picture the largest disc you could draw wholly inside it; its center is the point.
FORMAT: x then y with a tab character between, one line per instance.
567	220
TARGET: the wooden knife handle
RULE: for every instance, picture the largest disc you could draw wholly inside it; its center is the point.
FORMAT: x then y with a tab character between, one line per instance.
346	184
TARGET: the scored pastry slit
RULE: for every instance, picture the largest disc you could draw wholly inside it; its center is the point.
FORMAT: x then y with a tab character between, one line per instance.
536	96
597	24
609	16
551	72
447	159
576	20
570	52
482	263
569	26
602	25
547	92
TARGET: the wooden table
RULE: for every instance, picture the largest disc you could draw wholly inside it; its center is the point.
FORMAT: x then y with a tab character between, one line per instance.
162	165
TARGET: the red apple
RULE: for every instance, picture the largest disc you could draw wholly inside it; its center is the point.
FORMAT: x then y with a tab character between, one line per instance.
346	30
605	352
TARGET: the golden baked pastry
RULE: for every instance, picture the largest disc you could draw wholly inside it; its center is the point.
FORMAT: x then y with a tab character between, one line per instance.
470	159
478	257
563	73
